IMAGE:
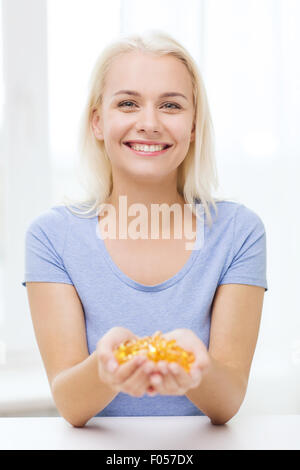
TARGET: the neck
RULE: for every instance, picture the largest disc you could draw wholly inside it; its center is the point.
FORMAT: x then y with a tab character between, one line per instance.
163	191
127	192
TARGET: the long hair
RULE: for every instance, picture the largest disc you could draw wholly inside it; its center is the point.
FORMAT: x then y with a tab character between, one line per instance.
197	174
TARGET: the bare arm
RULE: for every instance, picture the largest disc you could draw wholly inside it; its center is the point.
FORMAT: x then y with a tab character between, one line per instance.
59	327
236	315
81	384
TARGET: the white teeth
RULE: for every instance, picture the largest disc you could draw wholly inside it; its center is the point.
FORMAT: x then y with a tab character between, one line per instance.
147	148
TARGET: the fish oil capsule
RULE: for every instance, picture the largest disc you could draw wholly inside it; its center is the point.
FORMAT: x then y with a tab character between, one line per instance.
156	348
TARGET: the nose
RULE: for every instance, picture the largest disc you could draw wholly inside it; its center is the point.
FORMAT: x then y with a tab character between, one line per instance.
148	120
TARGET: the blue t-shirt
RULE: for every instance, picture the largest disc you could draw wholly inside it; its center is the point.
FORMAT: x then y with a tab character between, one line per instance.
63	247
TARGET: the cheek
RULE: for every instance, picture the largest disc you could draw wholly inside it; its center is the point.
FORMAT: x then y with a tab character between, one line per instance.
114	126
114	130
181	129
118	131
115	133
183	145
182	136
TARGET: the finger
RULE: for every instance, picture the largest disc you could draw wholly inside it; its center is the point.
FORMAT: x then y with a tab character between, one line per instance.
177	381
180	376
166	383
108	344
138	383
107	364
201	364
162	367
107	360
125	370
196	378
157	378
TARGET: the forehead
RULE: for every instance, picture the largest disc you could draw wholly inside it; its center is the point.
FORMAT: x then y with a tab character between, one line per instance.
148	73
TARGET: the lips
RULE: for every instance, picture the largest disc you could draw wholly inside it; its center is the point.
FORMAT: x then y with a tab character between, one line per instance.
130	143
149	154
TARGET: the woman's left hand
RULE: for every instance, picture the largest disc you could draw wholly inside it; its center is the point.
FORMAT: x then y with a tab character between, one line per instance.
169	378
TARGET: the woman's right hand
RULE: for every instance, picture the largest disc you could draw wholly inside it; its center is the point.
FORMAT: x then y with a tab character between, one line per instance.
131	377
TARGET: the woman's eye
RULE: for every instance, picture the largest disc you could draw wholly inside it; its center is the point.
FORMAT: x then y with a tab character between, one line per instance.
127	104
176	106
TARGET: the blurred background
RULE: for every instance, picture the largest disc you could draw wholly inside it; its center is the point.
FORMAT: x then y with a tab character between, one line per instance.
248	52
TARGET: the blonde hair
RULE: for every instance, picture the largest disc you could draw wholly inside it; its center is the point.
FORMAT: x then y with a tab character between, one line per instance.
197	174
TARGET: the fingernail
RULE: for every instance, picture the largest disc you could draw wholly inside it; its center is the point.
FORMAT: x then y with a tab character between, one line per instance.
112	365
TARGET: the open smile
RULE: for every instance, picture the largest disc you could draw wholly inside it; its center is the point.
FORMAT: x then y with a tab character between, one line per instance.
147	151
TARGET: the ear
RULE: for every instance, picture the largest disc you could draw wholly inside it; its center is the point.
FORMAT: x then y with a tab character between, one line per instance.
96	125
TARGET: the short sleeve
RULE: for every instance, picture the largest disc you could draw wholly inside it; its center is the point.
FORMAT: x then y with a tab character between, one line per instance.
248	257
44	243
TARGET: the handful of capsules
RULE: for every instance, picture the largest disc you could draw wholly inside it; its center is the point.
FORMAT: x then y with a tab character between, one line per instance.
156	348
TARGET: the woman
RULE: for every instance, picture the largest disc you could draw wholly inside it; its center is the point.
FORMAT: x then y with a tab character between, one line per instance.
146	139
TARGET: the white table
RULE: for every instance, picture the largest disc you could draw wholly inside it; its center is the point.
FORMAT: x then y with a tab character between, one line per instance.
177	433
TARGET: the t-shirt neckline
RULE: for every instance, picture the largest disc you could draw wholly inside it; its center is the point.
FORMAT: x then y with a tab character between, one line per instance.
168	282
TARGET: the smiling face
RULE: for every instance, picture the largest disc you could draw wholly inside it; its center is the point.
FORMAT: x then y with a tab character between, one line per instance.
146	98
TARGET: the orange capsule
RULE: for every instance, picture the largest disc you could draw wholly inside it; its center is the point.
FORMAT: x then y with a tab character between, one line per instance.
156	348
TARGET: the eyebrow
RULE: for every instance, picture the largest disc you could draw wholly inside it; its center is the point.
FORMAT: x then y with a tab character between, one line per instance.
135	93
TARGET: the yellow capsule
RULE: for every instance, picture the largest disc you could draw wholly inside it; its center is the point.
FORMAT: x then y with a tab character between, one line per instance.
156	348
